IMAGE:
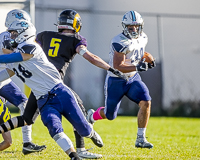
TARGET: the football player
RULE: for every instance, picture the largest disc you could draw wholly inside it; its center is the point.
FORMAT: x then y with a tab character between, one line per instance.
9	90
126	51
60	48
54	99
5	116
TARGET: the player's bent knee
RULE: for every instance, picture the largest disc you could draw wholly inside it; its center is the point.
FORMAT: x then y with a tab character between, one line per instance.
54	129
110	117
145	104
85	133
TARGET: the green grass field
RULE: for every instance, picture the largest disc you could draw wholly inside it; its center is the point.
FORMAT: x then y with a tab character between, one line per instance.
173	138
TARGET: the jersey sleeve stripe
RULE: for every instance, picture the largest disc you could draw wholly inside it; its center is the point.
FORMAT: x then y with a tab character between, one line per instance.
118	47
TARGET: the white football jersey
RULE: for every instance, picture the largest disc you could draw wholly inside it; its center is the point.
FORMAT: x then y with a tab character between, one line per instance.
3	36
132	48
37	73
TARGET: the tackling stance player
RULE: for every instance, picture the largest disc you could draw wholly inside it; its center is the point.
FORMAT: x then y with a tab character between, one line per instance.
68	42
126	51
60	48
54	99
10	91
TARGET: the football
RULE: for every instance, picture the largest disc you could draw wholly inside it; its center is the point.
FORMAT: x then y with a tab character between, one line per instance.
148	57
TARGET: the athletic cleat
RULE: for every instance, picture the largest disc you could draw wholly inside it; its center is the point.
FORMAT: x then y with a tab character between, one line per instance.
75	158
142	143
97	139
83	153
30	147
89	115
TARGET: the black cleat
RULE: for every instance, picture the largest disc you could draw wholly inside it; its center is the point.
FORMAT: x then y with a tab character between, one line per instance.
30	147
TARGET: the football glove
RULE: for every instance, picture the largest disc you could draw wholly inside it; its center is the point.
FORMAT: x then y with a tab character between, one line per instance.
142	66
152	65
9	44
118	73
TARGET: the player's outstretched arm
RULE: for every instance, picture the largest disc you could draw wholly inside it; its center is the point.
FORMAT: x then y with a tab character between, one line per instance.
97	61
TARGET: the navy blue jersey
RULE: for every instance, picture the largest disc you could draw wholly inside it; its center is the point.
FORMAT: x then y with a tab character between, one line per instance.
60	48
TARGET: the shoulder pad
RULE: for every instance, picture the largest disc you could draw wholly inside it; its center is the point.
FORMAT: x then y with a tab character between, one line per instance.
29	48
82	39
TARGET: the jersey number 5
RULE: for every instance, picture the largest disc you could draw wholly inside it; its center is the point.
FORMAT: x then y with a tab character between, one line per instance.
55	44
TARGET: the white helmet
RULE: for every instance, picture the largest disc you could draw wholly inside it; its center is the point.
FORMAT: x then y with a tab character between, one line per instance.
132	18
25	30
16	14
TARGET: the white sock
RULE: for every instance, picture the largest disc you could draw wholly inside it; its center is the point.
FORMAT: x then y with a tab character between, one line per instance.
80	149
141	132
26	130
26	133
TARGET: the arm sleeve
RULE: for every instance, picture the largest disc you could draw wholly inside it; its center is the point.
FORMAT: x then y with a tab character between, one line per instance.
11	58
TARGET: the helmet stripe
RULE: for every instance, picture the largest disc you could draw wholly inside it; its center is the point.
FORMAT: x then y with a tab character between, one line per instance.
133	15
77	16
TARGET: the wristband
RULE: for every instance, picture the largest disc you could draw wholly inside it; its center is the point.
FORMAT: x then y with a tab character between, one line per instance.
82	51
111	69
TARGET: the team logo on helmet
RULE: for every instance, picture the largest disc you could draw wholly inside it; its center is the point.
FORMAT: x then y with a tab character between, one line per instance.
18	15
124	17
22	24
